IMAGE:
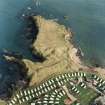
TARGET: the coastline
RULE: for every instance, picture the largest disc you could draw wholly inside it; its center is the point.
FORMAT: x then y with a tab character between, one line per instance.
40	46
58	49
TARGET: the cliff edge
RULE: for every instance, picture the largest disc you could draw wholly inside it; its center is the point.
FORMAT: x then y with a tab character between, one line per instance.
53	42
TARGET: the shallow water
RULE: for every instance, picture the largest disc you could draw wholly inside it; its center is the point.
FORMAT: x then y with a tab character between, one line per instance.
86	18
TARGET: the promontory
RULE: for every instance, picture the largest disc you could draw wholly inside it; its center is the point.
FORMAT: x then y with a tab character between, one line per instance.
53	42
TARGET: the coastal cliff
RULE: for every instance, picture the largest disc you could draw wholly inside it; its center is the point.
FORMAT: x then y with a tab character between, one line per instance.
54	43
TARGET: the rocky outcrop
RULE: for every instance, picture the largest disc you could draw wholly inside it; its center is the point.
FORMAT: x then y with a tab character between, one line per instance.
20	68
53	42
54	47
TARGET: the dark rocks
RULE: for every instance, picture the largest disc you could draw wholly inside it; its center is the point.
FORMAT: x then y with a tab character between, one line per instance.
15	54
17	75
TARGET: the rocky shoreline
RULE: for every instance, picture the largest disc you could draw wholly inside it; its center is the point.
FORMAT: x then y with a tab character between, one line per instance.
52	44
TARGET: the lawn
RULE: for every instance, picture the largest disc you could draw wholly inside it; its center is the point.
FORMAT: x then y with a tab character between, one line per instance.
85	96
62	100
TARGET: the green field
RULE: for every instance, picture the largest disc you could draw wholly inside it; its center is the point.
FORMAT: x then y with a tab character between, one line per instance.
85	96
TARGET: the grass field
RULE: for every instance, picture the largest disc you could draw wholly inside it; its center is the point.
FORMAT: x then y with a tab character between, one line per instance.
85	96
62	100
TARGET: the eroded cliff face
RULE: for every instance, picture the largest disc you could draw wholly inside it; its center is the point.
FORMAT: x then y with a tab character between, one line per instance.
53	42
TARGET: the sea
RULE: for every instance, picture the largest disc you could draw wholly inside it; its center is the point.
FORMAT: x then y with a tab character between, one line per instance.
86	18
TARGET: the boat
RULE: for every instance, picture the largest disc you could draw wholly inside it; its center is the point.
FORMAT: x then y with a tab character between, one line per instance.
29	8
23	15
